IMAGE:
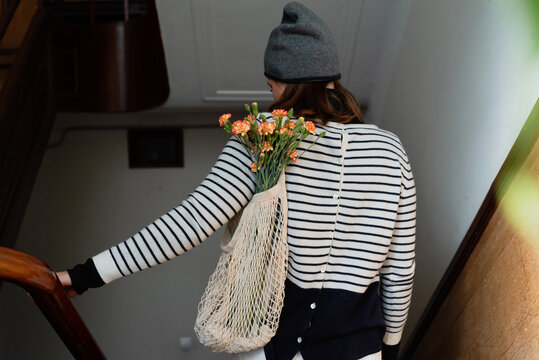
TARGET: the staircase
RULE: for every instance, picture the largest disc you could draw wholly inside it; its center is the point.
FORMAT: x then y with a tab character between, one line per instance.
56	56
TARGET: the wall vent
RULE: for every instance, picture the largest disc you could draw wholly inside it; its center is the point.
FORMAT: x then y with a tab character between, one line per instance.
155	147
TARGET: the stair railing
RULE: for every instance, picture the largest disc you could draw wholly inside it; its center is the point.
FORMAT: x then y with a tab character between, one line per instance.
41	283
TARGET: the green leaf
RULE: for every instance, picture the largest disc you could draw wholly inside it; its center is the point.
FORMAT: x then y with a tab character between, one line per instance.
290	113
247	107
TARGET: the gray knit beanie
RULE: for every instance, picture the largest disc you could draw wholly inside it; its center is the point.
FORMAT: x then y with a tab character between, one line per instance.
301	48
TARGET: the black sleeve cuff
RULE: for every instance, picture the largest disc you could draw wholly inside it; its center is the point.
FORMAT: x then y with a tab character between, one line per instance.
84	276
390	352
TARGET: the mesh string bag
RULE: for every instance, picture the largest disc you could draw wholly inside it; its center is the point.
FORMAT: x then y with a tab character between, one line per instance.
240	308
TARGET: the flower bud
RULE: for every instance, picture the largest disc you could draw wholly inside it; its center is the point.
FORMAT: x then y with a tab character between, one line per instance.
254	106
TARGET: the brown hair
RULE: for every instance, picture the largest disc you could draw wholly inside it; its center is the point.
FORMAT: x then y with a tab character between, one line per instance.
312	101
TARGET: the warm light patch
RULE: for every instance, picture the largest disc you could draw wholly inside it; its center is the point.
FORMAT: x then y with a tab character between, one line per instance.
520	205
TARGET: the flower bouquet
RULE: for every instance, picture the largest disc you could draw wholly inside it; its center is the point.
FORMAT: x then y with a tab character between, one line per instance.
240	308
272	145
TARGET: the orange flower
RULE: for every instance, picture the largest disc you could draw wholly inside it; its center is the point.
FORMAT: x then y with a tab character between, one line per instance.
266	128
291	125
285	130
309	126
241	127
279	112
224	119
266	146
293	155
254	167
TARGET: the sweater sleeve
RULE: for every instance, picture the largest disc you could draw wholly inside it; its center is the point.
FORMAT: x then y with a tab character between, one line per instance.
398	270
224	192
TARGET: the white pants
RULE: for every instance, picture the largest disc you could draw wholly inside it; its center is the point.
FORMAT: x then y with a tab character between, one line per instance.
258	354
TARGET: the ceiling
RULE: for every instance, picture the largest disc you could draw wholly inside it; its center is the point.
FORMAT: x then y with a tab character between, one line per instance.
214	49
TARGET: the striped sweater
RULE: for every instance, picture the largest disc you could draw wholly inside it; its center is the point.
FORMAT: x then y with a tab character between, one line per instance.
351	236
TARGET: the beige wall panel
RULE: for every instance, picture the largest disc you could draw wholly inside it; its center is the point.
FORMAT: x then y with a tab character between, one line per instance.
492	312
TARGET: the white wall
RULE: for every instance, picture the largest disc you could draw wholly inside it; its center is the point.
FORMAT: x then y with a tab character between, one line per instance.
464	82
380	34
86	200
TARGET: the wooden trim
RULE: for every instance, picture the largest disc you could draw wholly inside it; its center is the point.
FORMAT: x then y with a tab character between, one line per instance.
47	292
7	15
520	150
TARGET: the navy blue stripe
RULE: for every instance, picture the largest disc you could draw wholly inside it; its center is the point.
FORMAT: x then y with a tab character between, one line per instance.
208	210
370	200
116	262
362	233
352	266
227	191
362	242
314	169
358	250
157	243
140	252
358	217
148	246
195	219
370	183
235	186
123	258
173	232
374	134
363	224
370	165
378	142
220	197
381	149
164	237
306	141
366	208
357	258
313	150
373	174
132	256
188	224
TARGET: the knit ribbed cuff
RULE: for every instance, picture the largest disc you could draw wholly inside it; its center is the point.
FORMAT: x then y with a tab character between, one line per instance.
84	276
390	352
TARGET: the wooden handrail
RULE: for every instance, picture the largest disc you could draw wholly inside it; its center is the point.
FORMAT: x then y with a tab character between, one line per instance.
8	10
40	281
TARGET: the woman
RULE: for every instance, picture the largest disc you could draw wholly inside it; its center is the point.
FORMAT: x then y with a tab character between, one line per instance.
351	215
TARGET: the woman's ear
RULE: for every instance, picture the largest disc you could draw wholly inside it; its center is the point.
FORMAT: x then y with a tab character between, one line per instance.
277	88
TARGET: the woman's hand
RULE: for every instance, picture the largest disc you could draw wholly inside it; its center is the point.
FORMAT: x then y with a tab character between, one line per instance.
65	279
